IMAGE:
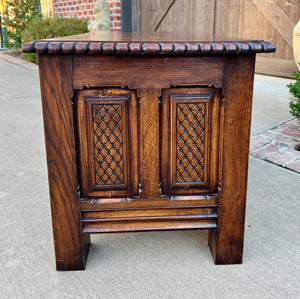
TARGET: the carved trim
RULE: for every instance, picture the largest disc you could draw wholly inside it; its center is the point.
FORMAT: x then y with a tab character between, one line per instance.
148	48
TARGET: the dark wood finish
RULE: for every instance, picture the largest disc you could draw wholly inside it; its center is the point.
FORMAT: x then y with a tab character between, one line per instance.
151	223
108	140
226	242
149	143
71	246
145	143
189	140
137	43
172	201
146	72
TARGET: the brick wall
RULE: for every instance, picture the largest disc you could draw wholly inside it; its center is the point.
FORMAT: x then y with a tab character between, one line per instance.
85	9
115	14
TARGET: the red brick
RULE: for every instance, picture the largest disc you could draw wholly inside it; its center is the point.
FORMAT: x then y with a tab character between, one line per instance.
280	138
256	141
288	130
267	150
85	13
295	122
294	166
117	10
117	24
117	18
284	157
116	4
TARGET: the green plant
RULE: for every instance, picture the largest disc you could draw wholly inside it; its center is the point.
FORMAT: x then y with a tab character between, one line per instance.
18	15
50	28
295	91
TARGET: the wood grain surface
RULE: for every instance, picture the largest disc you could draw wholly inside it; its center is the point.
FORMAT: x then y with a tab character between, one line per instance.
226	241
189	140
145	143
146	72
71	246
107	122
137	43
149	143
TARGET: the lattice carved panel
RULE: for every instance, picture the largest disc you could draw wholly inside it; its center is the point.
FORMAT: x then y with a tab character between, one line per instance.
189	140
108	139
108	135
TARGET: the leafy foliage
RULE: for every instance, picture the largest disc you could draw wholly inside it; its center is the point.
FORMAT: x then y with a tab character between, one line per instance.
50	28
18	15
295	90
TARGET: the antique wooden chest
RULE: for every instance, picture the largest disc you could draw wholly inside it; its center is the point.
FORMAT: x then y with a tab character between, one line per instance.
146	132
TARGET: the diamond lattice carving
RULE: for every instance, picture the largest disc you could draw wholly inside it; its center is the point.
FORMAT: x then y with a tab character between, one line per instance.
108	137
190	142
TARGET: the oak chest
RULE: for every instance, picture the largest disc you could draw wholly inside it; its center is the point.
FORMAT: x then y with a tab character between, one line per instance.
146	132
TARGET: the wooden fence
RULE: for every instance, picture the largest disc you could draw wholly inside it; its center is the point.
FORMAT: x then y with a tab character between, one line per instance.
271	20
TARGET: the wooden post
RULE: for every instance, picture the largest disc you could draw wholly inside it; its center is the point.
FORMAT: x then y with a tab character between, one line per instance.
71	246
226	242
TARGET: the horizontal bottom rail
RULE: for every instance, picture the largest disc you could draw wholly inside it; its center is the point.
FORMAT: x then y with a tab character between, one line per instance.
181	212
149	225
145	219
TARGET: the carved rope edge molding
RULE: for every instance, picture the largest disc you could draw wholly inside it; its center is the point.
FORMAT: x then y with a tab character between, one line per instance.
147	48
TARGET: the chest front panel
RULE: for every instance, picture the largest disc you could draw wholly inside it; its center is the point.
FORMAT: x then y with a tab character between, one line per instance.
110	143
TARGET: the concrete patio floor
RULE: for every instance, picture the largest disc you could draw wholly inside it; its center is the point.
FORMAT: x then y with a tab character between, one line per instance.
175	264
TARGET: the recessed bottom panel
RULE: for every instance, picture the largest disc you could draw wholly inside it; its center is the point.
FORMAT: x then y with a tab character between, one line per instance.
145	219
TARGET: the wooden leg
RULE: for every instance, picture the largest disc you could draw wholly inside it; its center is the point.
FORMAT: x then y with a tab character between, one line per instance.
226	241
71	246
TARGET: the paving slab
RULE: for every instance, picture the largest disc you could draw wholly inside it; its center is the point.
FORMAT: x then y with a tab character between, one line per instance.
270	103
17	81
175	264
